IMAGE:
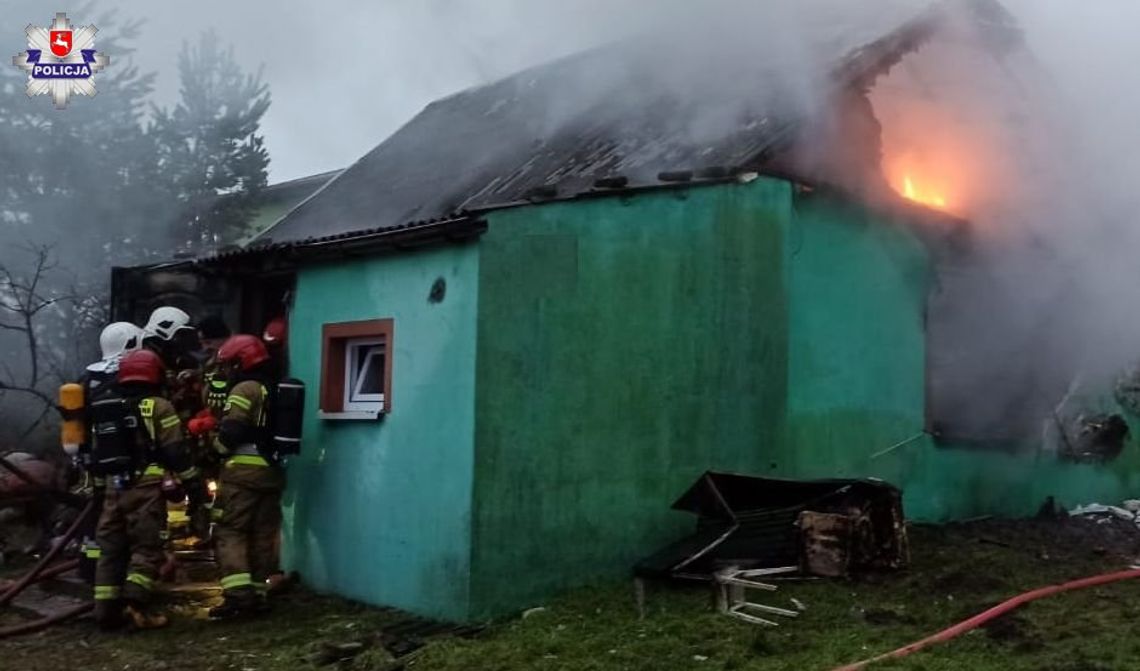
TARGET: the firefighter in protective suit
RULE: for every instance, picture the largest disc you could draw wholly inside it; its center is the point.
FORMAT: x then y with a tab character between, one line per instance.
213	333
115	340
170	334
137	436
247	508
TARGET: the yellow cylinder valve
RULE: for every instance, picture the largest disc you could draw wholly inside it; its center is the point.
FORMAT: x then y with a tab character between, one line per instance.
72	431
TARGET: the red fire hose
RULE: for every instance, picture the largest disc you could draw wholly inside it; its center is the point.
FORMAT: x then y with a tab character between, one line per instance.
66	498
49	557
995	612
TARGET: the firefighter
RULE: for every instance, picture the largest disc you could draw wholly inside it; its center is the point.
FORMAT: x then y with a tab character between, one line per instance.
169	334
276	338
137	437
247	508
213	332
115	340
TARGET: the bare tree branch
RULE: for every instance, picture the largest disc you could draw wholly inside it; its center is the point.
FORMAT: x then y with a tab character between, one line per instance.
23	297
31	391
32	427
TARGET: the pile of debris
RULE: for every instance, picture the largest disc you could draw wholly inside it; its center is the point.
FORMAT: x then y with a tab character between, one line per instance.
1129	511
824	527
751	531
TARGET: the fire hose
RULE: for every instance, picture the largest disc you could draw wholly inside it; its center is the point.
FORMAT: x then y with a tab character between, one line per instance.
44	623
995	612
66	498
47	573
49	557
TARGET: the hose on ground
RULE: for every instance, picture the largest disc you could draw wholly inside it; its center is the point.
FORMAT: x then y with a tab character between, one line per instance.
50	556
44	623
66	498
995	612
62	567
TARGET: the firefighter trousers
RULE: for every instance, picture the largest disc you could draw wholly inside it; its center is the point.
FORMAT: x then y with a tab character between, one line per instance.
247	515
89	548
129	536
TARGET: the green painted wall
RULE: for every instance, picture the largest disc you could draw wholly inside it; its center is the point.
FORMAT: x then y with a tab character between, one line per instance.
592	358
856	381
625	346
380	511
628	344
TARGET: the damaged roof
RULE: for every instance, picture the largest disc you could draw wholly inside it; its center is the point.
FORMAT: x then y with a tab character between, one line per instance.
633	110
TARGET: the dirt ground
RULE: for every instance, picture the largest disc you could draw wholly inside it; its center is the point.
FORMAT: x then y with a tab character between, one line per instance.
957	571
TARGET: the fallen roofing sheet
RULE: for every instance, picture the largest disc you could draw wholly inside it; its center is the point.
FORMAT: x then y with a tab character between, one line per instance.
753	522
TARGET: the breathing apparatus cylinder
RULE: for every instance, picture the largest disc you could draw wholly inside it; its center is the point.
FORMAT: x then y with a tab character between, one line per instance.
288	414
72	431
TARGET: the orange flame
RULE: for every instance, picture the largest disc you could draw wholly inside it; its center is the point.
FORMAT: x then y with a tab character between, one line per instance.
926	196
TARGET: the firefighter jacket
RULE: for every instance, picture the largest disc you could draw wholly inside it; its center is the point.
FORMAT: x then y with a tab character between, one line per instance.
245	418
169	448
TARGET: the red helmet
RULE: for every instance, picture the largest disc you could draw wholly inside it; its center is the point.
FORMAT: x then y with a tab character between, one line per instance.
276	331
245	349
141	365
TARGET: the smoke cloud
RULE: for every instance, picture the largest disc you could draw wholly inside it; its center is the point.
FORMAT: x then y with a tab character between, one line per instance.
1041	150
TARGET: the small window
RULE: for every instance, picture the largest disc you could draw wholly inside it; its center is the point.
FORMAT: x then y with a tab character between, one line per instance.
356	369
364	374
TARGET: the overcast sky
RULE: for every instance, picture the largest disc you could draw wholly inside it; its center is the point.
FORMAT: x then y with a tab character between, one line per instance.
344	74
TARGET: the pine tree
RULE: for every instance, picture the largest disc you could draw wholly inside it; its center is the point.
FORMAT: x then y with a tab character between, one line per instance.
211	150
82	178
78	193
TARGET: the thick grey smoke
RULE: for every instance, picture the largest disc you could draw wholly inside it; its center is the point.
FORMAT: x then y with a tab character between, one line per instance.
346	73
1043	154
1044	160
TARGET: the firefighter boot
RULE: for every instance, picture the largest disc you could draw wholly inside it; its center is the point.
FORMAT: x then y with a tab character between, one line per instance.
235	603
110	614
144	618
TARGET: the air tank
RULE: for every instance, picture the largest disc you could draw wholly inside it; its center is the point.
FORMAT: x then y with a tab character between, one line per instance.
72	431
288	412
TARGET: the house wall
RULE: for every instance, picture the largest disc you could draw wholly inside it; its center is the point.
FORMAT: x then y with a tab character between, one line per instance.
591	359
626	345
380	511
857	382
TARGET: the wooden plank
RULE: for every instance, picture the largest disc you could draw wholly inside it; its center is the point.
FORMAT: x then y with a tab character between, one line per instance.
772	610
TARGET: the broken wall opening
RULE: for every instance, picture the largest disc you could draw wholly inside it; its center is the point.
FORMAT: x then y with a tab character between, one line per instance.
957	116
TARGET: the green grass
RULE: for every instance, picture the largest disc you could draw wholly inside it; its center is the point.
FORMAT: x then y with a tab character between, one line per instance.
954	574
953	577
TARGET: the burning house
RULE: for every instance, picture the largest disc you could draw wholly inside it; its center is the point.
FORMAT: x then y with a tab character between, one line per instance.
543	307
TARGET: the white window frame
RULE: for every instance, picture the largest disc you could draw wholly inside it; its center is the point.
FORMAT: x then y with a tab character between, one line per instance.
354	401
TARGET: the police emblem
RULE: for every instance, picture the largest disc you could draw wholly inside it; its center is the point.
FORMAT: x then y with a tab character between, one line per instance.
61	61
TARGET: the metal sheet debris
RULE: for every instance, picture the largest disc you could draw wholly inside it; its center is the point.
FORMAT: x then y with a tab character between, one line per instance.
750	523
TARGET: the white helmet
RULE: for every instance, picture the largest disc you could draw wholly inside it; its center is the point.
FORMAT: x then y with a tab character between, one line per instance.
165	321
119	338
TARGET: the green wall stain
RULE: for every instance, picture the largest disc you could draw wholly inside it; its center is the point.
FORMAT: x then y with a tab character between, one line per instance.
380	511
